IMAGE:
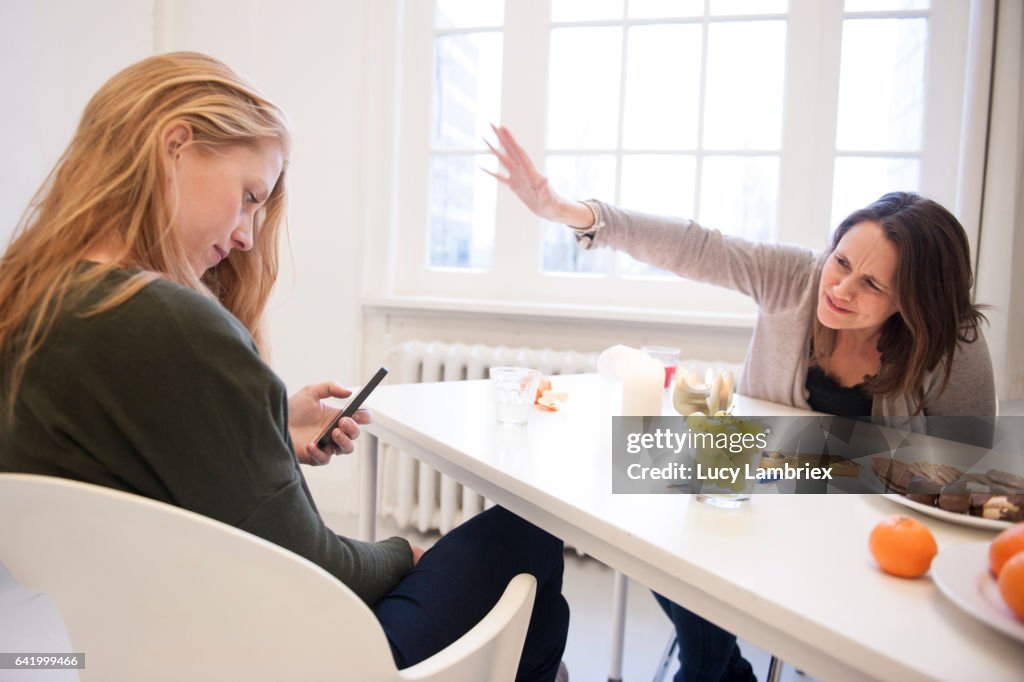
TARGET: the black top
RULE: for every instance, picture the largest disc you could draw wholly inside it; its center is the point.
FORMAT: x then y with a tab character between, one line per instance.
825	395
166	396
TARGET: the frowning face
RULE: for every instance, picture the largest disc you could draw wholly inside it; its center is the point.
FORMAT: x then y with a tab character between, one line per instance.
856	290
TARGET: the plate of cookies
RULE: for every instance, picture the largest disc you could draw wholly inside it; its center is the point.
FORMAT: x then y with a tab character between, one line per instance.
993	499
953	517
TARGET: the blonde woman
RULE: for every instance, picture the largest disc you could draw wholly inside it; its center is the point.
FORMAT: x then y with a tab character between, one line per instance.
131	356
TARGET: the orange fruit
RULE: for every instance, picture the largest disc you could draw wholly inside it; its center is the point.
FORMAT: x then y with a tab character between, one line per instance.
1007	544
544	385
903	546
1011	583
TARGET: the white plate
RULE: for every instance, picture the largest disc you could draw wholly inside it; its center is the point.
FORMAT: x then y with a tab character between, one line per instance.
961	573
962	519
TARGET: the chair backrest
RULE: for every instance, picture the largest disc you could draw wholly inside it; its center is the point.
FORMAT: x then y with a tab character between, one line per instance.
151	591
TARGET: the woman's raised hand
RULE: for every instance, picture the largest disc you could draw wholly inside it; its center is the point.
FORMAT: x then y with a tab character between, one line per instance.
531	187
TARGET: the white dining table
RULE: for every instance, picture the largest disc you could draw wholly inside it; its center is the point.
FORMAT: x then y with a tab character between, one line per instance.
790	573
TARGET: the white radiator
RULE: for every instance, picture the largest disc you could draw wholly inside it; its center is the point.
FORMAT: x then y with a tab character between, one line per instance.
413	493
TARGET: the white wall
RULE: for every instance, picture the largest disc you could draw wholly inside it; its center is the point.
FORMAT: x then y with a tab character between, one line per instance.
53	55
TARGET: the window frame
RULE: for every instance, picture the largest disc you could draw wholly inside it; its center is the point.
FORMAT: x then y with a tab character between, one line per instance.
807	156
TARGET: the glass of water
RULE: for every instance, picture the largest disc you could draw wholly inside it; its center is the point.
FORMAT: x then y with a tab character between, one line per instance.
515	390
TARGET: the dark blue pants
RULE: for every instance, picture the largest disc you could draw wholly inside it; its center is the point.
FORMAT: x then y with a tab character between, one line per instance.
462	577
707	653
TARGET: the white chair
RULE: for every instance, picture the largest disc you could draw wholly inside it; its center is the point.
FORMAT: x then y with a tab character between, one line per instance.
149	591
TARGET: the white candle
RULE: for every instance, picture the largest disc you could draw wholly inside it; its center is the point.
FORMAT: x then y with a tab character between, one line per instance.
643	386
641	377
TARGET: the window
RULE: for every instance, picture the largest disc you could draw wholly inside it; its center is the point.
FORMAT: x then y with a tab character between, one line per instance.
881	101
762	118
466	97
677	115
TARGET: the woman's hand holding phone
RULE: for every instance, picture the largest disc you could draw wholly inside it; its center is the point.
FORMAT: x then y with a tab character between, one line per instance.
306	416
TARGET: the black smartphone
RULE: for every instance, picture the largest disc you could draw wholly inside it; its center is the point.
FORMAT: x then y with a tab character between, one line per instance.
324	439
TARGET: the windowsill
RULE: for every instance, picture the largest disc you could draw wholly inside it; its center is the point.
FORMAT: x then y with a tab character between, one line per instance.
526	309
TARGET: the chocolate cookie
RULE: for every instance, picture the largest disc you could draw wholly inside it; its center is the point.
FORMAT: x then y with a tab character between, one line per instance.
926	470
981	483
956	497
923	490
893	473
1013	482
1004	508
978	501
943	474
947	474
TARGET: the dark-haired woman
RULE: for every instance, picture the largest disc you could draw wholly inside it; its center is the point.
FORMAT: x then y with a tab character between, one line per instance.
882	323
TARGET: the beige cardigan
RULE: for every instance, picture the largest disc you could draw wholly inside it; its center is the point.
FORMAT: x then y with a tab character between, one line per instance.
783	281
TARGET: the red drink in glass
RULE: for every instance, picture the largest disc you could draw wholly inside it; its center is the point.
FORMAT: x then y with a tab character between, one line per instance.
667	356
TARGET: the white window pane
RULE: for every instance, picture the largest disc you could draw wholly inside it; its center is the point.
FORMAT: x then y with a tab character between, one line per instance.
467	88
884	5
563	255
578	177
462	210
739	195
583	88
659	184
585	10
665	9
881	85
859	181
719	7
469	13
662	87
745	85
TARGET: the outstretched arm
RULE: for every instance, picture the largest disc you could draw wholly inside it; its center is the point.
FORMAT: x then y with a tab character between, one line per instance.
533	188
774	275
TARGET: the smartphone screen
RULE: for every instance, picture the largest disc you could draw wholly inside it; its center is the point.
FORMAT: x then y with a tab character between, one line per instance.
323	440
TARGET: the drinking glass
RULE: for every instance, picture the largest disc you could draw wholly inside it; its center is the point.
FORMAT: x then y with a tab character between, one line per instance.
726	472
515	390
724	493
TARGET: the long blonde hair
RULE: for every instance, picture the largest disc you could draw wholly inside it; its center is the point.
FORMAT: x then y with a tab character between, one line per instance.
110	190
